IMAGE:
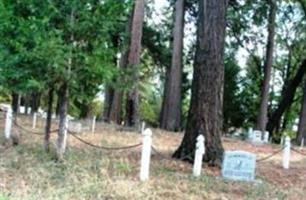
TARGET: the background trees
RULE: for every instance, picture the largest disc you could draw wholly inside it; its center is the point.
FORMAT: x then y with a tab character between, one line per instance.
136	61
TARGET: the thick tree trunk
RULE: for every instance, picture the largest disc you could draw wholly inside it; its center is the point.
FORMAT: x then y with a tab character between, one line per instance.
287	98
108	100
132	103
35	101
62	132
171	107
115	114
15	102
262	117
205	113
116	108
58	102
48	120
302	123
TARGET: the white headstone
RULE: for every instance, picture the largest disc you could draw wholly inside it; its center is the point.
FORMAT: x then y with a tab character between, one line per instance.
257	136
239	165
250	134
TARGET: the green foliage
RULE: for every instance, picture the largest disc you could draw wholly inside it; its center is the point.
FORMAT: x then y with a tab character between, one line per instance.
290	133
232	109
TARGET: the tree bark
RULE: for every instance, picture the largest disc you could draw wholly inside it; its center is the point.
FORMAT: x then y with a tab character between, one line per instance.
115	114
171	107
15	102
262	117
302	123
35	101
62	132
48	120
205	112
132	103
108	100
287	98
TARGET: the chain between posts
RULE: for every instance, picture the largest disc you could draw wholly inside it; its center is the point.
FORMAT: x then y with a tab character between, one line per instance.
73	134
270	156
297	151
32	132
167	158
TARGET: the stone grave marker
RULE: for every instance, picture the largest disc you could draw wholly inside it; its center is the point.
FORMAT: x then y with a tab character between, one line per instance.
239	166
257	136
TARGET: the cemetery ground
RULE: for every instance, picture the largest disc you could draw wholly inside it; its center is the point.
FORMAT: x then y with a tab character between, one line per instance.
27	172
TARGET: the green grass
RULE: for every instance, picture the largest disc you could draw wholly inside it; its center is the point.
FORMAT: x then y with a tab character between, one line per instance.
28	173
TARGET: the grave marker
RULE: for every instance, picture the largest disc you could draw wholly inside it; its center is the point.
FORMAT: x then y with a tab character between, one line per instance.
257	136
239	165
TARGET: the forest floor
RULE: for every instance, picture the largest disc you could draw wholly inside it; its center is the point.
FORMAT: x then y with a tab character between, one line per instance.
27	172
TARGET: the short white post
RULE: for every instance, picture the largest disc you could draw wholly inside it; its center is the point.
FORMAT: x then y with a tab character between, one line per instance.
146	155
286	153
93	126
143	126
302	143
34	120
200	151
266	137
8	123
250	134
282	141
66	133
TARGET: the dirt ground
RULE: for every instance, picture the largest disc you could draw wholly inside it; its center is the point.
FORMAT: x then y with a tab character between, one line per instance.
170	178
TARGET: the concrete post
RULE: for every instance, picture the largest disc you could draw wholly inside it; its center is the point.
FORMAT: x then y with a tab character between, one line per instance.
286	153
200	151
146	155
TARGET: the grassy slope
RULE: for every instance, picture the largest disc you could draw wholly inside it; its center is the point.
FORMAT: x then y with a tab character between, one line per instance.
26	172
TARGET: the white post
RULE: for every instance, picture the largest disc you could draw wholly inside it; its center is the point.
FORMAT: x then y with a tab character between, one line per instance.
282	141
266	137
34	120
250	134
286	153
8	123
302	143
146	155
93	127
66	133
143	126
200	151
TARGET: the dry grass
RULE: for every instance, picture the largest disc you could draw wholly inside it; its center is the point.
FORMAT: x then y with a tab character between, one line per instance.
26	172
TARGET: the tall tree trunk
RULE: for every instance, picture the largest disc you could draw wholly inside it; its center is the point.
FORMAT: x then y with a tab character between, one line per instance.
115	113
116	107
171	107
35	101
48	120
108	100
58	102
62	132
263	111
205	113
287	98
302	123
15	102
132	103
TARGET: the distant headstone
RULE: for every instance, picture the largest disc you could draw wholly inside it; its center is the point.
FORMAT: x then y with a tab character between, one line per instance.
239	166
75	127
257	136
250	134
